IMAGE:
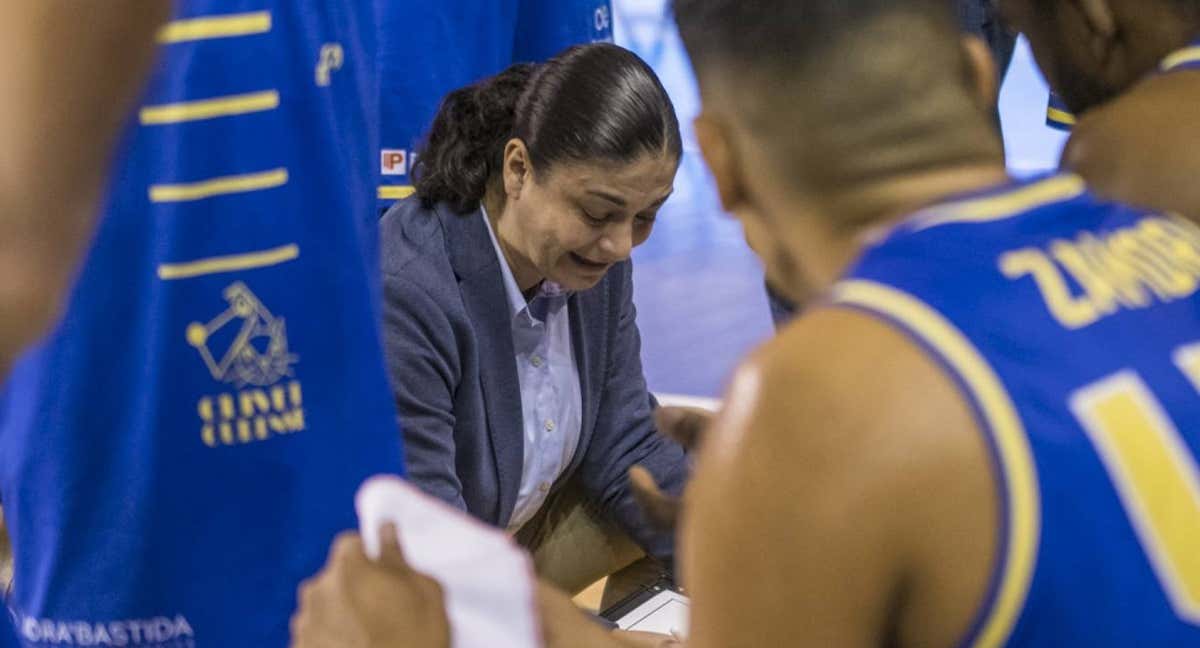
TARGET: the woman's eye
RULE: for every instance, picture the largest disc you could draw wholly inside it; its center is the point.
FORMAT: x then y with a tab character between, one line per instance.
595	219
647	218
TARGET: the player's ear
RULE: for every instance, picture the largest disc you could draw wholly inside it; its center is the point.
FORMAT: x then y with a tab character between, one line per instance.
1101	24
983	71
719	153
1099	17
517	170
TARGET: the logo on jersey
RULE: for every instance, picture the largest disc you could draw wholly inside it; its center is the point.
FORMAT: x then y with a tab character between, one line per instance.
247	346
393	162
603	19
258	353
159	632
331	58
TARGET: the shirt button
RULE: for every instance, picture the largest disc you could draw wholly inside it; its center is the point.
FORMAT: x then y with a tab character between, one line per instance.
549	425
536	361
544	487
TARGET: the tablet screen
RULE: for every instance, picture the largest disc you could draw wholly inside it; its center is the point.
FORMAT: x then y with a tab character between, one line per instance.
664	612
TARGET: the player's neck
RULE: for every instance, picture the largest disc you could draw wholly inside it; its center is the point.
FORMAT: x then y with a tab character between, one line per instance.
896	199
878	207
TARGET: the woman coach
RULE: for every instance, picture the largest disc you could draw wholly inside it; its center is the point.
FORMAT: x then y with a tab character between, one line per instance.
509	320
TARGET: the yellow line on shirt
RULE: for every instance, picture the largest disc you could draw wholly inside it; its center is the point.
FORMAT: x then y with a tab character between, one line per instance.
218	186
1060	116
194	29
395	192
1182	57
232	263
227	106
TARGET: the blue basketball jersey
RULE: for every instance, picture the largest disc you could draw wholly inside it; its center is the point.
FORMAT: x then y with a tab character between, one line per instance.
429	49
1058	114
8	635
1060	117
178	455
1072	326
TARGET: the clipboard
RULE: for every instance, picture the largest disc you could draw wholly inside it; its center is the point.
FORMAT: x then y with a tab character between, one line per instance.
660	608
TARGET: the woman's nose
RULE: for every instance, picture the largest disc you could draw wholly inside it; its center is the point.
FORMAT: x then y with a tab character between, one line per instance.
617	242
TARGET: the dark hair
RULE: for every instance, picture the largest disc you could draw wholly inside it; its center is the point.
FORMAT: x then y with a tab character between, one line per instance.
842	94
733	32
591	102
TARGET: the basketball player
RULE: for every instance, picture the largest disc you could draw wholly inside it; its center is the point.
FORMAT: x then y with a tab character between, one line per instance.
63	109
978	17
180	451
1129	68
973	440
1017	478
430	48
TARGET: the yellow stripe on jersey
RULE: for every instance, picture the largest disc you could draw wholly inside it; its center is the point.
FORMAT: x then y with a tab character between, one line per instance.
395	192
1187	359
1155	475
1060	116
1002	206
1002	423
1182	57
229	25
227	106
232	263
218	186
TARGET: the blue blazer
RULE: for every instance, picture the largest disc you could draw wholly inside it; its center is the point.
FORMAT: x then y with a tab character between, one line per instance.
448	339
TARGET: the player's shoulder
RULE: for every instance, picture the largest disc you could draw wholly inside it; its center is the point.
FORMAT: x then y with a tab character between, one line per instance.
412	239
838	388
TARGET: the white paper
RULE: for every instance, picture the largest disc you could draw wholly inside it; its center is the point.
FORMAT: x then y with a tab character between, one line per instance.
665	613
487	580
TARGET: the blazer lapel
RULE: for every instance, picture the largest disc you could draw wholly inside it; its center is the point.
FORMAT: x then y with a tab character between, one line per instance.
587	312
480	280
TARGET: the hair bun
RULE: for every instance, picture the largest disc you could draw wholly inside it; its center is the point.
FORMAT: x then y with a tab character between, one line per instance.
465	145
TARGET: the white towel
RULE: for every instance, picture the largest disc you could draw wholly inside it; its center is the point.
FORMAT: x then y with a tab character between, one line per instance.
488	581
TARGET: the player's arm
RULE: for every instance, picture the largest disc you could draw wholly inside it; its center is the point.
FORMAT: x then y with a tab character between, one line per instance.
1141	147
69	72
843	497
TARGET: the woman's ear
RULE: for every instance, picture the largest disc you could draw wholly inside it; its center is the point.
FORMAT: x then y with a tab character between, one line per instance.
517	170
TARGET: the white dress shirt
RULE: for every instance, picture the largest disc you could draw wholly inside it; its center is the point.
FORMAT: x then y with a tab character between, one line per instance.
551	401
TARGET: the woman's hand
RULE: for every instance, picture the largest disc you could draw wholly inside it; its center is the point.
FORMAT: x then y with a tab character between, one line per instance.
687	426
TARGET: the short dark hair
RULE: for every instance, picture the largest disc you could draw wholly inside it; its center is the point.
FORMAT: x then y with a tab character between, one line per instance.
842	92
591	102
782	33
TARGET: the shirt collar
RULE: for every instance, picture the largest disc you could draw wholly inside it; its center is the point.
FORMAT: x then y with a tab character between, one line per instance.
516	299
1187	58
1059	117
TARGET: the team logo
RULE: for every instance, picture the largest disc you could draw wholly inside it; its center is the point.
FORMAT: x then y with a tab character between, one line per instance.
258	353
247	346
393	162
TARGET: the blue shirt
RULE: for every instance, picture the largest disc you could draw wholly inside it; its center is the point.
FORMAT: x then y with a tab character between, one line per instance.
179	453
551	400
1072	326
